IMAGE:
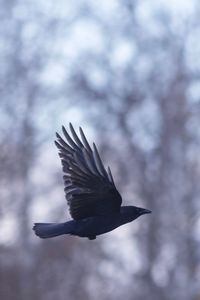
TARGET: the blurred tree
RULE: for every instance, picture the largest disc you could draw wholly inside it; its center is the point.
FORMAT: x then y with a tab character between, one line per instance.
132	70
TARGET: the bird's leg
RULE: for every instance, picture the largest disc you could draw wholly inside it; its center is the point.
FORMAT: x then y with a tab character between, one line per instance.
92	237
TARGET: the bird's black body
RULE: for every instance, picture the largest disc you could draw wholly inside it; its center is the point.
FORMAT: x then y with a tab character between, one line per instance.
94	202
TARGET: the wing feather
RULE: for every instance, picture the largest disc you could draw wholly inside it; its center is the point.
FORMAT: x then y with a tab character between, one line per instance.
75	136
99	162
69	139
89	188
110	176
87	146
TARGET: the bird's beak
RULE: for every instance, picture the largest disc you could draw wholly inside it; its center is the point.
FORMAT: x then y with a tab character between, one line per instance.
146	211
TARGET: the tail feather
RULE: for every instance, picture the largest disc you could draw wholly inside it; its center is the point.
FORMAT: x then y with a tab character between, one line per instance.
49	230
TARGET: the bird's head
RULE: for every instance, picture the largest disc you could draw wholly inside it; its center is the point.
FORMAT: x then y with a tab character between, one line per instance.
131	213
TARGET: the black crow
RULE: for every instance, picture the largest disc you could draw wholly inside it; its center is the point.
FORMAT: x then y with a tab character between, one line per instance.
94	202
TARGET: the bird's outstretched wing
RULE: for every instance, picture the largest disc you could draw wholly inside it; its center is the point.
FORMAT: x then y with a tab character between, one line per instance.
89	188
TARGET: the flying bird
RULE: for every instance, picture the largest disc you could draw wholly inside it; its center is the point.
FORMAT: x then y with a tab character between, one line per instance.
93	199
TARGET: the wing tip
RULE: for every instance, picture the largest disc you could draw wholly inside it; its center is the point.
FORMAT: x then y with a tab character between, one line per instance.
58	135
57	144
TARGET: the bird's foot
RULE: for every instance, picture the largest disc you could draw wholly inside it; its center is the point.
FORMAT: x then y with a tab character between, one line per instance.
92	237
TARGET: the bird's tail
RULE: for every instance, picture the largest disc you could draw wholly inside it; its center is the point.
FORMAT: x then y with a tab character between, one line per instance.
49	230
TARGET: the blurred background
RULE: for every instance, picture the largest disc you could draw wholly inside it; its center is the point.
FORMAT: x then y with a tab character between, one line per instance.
128	72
